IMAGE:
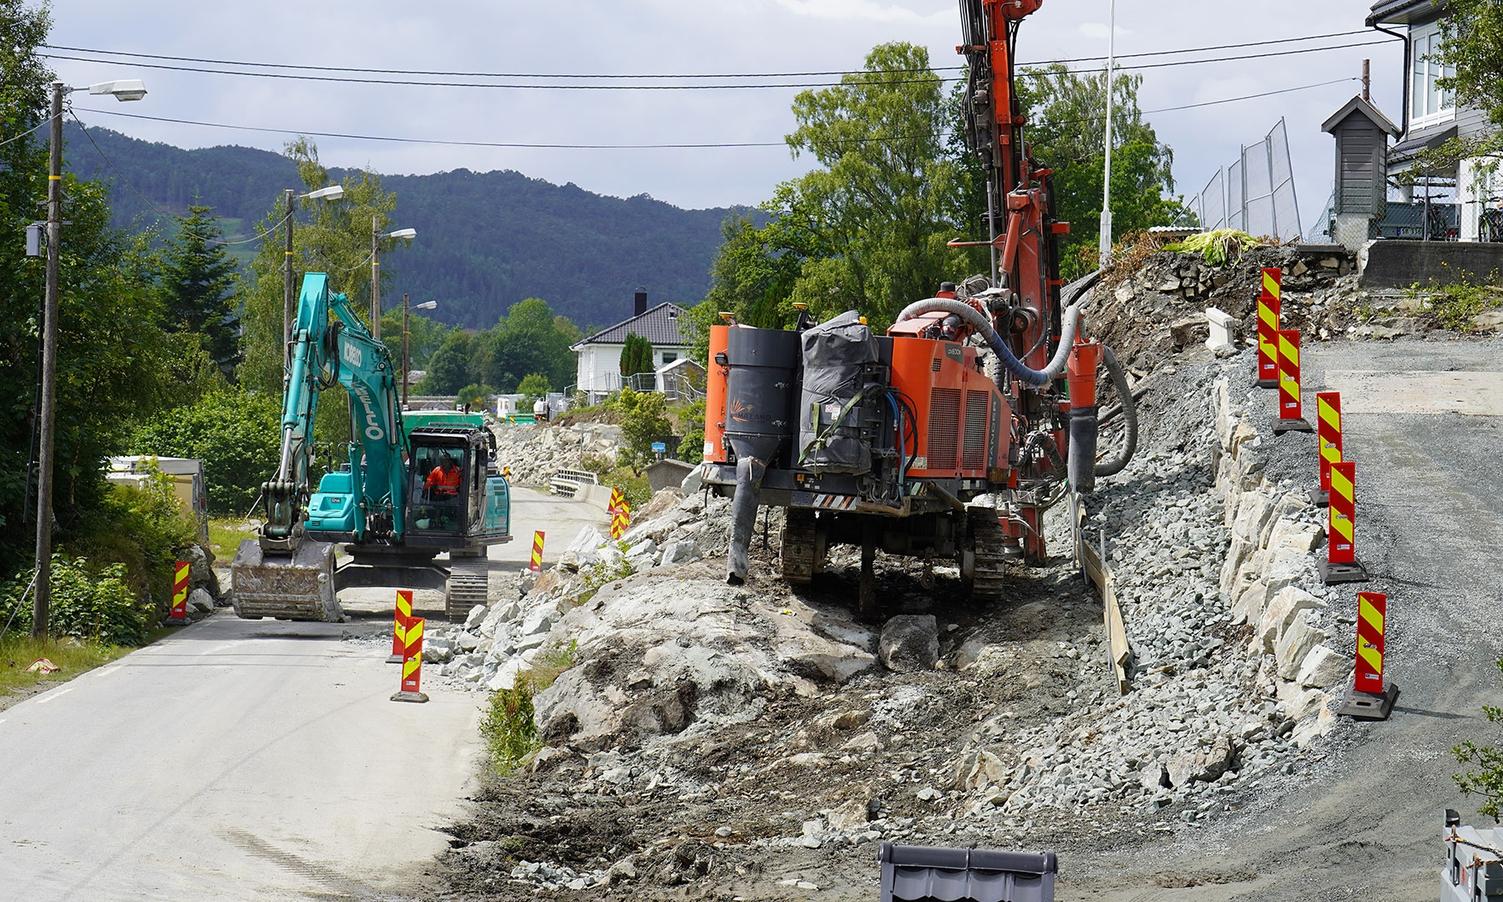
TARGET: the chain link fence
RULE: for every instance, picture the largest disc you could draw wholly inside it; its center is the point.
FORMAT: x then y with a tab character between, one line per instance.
1256	192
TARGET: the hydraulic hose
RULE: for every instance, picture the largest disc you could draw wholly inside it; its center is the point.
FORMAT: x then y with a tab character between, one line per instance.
1129	414
1036	378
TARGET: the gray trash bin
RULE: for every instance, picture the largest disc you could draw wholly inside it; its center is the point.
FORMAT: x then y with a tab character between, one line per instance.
930	874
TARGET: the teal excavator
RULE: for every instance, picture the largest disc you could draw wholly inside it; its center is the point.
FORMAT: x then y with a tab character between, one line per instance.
414	487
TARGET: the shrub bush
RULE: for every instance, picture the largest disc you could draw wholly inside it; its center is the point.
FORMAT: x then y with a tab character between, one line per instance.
144	530
509	732
88	602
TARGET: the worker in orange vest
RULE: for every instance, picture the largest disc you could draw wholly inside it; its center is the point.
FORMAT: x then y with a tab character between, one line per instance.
443	481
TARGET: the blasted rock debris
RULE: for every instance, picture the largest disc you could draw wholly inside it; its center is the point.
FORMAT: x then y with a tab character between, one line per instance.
741	740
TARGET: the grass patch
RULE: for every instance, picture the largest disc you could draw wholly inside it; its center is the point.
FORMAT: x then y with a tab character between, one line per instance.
1454	306
510	735
226	534
72	656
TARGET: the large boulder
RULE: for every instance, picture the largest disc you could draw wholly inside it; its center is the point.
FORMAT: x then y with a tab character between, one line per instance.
909	642
1205	764
1295	644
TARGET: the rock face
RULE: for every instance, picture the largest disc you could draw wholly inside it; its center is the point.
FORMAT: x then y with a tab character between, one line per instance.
909	642
535	453
658	657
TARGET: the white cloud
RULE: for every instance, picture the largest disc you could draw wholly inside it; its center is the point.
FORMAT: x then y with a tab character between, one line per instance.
857	10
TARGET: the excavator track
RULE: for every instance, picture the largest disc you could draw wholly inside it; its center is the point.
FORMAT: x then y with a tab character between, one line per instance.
803	555
988	577
469	585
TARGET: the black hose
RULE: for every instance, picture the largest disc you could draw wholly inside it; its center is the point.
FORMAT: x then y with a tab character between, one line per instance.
1129	414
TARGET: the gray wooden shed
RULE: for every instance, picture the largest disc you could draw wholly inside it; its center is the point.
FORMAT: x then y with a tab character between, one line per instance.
1361	134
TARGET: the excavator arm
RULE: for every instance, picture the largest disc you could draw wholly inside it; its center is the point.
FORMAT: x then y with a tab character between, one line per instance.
287	570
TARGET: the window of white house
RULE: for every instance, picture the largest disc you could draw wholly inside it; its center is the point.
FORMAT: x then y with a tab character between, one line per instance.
1427	101
669	357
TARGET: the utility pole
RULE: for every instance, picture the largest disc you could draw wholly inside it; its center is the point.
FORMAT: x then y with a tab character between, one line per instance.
375	279
287	281
405	359
1367	80
1106	197
42	595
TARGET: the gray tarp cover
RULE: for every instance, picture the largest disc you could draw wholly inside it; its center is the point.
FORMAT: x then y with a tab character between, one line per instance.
836	354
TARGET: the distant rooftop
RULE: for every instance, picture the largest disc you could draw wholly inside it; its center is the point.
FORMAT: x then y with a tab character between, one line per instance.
659	325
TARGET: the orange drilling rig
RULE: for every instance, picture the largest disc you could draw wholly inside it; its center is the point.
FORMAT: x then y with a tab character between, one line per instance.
949	436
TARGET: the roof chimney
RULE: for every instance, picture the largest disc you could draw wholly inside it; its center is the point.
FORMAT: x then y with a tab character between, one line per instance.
639	301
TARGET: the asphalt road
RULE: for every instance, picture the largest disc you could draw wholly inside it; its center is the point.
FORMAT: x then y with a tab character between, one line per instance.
1424	422
243	759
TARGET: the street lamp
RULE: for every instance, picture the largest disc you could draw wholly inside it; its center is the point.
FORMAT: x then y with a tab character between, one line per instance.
1106	196
406	362
123	90
330	192
376	236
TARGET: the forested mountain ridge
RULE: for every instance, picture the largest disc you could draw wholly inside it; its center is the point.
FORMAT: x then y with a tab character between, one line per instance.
485	239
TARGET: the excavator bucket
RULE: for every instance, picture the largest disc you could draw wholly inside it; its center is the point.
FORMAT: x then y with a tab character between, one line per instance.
298	586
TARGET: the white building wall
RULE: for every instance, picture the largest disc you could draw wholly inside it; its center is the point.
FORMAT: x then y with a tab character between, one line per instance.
1479	187
598	368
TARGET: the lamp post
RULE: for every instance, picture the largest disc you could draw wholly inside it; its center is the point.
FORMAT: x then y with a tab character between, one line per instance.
332	192
1106	197
376	237
406	362
123	90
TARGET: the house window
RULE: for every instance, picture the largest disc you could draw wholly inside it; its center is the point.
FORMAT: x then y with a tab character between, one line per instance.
1428	103
669	357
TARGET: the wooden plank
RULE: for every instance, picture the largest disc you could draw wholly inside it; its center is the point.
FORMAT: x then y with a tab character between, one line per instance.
1091	560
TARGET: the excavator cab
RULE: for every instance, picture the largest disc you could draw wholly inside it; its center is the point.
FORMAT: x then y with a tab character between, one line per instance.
456	499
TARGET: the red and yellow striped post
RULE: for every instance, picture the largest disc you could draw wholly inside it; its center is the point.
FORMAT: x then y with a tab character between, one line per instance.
1340	565
178	615
400	617
621	520
412	664
537	552
1270	304
617	499
1291	409
1328	435
1371	697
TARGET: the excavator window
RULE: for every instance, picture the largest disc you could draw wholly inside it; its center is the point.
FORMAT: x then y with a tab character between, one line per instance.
438	492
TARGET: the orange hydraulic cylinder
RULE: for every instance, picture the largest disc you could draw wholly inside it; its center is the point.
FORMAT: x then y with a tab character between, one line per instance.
1085	356
715	376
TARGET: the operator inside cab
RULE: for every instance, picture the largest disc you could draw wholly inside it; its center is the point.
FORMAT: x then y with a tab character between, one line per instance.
443	481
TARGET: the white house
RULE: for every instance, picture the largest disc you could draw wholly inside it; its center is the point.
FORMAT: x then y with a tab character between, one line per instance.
599	355
1466	202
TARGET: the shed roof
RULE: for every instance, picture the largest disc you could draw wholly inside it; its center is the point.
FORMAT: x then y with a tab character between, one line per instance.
658	325
1358	105
1403	10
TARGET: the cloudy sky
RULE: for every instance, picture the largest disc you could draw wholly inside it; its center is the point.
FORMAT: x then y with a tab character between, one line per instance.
681	36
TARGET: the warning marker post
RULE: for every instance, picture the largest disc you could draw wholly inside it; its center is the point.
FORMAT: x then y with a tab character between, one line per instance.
1328	438
1370	698
621	520
178	615
412	664
1291	410
1341	565
536	564
399	619
1270	302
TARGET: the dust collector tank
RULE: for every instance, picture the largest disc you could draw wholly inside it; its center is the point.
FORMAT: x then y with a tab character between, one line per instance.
759	389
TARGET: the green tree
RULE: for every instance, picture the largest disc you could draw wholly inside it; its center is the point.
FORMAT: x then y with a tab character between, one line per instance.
533	386
1065	111
235	433
424	335
636	356
197	283
450	369
529	339
1472	43
329	237
644	420
867	230
475	396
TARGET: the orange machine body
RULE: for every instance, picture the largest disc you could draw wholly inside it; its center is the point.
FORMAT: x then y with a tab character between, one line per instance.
963	427
715	450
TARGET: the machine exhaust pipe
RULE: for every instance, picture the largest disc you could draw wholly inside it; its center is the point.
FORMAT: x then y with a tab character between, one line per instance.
749	473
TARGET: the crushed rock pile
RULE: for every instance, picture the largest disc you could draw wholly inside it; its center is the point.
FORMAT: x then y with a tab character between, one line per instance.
758	741
536	452
1160	309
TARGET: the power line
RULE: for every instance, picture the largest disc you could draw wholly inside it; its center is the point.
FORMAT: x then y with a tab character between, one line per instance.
662	75
30	131
526	86
704	145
